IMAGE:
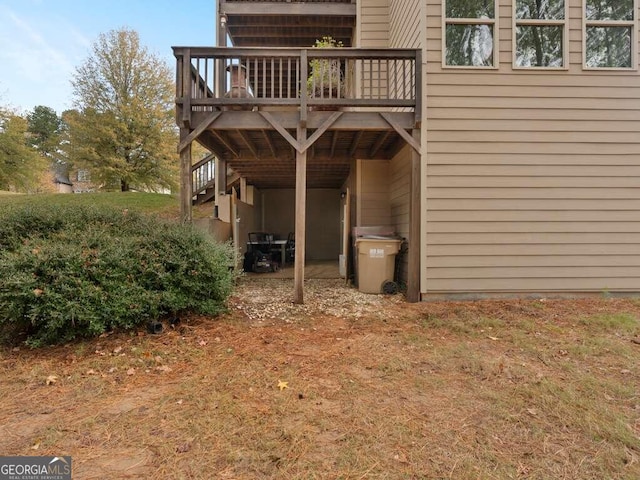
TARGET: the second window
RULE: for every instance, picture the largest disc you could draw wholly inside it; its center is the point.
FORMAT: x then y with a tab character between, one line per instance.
540	27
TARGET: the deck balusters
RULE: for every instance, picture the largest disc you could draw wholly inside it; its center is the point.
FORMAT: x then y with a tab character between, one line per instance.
344	77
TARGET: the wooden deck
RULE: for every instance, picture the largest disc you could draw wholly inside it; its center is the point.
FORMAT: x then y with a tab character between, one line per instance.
298	118
369	111
282	23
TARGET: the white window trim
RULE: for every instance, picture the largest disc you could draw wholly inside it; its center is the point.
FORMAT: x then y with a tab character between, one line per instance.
82	175
611	23
535	22
472	21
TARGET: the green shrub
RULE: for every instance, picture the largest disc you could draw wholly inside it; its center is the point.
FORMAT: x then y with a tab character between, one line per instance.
77	271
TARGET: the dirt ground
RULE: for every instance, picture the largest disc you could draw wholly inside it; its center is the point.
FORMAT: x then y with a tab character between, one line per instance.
346	386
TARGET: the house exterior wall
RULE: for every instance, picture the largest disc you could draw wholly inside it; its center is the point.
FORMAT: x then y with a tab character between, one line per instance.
249	216
351	185
323	239
404	24
374	207
64	188
400	181
405	27
373	24
532	175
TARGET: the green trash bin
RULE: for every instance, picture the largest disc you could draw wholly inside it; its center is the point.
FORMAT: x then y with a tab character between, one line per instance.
376	262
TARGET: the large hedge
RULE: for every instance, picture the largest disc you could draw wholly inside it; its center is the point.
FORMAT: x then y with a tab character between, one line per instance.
71	271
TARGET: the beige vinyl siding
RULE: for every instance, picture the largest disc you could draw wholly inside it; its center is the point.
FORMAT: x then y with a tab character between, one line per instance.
351	184
373	23
533	176
374	207
404	32
323	234
404	24
399	189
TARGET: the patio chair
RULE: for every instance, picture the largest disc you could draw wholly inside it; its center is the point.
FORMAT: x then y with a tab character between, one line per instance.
290	248
258	257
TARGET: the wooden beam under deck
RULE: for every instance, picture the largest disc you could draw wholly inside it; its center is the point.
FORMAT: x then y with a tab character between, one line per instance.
270	144
334	142
234	120
354	144
249	143
288	9
290	21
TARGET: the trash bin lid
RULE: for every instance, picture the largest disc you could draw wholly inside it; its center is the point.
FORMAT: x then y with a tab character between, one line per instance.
378	237
385	231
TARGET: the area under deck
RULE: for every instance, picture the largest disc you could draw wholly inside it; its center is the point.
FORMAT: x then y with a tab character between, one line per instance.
263	116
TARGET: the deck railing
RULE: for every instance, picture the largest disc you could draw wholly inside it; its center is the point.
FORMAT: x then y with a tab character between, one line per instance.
218	78
202	175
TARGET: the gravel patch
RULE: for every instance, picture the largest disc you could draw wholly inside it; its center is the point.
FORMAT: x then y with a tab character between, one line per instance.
271	299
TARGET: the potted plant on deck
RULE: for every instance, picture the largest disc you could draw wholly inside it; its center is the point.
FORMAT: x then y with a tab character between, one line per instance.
326	76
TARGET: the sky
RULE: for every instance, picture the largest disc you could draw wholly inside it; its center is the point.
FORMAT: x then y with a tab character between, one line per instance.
42	42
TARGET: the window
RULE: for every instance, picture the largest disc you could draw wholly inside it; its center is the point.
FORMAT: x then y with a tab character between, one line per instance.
83	175
610	27
470	37
540	32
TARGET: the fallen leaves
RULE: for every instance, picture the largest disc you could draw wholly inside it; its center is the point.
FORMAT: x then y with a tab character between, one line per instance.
184	448
382	357
282	385
51	379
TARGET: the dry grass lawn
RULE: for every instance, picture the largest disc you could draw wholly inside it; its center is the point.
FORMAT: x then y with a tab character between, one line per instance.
349	386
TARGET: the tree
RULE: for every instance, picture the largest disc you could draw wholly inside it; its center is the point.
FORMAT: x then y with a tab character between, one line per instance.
123	129
46	136
20	165
45	128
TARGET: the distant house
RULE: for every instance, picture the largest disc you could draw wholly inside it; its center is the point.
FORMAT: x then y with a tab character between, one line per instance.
71	181
61	179
502	141
82	181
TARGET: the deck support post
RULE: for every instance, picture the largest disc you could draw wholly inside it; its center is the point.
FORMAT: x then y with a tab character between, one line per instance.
413	274
301	145
186	185
222	42
220	177
300	226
